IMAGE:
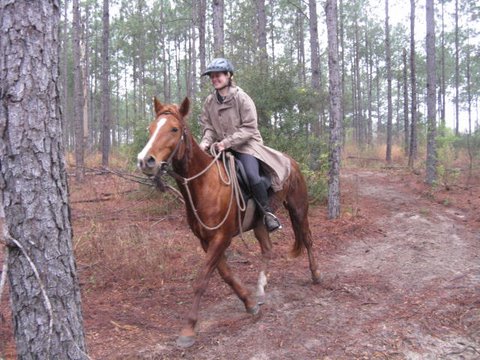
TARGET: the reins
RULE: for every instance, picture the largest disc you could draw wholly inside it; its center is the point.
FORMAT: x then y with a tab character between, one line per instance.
230	180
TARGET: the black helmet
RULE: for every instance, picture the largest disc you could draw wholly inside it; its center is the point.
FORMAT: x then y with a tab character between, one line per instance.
219	65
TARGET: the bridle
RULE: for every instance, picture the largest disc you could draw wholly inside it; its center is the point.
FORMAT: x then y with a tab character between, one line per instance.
165	166
231	180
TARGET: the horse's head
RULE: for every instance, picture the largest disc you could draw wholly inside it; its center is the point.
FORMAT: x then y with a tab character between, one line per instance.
167	133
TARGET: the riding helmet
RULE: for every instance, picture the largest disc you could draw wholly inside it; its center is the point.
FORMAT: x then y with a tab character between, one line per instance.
219	65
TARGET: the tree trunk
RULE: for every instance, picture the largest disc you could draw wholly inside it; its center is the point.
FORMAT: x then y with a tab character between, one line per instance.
177	68
85	68
272	36
413	127
358	90
44	291
261	30
343	72
431	98
399	97
314	46
379	113
105	106
202	8
457	74
443	82
218	31
370	93
78	95
64	76
388	59
192	88
335	111
300	43
406	126
469	91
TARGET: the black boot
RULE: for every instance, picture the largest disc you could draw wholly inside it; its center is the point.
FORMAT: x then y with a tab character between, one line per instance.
261	196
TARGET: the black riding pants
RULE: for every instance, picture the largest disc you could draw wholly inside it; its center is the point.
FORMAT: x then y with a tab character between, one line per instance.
251	165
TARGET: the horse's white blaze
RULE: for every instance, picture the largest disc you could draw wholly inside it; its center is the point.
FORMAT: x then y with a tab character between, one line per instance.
149	145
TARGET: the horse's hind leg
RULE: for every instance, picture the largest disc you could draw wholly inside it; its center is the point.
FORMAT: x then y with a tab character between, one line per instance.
263	238
242	292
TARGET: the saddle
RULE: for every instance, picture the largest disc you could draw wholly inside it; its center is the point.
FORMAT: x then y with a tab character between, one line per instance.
251	210
245	184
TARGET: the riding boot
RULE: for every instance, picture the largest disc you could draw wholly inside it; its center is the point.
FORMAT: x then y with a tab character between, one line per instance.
261	195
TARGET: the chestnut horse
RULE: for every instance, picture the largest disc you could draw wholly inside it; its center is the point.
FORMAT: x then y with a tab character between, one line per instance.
207	198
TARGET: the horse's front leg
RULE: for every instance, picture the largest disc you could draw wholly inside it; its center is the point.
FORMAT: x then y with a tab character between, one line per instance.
263	238
216	248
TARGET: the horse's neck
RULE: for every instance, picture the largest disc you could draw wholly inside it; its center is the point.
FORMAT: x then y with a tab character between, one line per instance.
194	160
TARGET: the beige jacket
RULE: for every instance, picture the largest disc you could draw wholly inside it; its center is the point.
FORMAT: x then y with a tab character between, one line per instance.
235	124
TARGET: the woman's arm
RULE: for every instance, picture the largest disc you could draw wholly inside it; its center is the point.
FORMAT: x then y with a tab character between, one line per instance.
209	134
249	125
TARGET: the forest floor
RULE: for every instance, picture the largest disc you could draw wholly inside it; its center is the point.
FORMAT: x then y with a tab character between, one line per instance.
401	277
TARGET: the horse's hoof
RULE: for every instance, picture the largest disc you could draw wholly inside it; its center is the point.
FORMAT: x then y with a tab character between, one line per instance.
185	341
316	278
254	310
261	299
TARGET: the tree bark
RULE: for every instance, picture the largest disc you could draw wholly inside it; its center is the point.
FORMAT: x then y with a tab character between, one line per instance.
105	106
46	305
388	60
85	68
64	75
431	169
261	30
443	82
300	43
343	72
192	87
457	72
314	46
413	126
360	129
218	30
272	36
335	111
406	126
370	91
78	98
202	8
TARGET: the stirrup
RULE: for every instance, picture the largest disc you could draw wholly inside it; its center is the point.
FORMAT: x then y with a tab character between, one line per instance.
271	222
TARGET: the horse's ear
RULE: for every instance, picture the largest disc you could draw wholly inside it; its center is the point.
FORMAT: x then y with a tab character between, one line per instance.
184	107
157	104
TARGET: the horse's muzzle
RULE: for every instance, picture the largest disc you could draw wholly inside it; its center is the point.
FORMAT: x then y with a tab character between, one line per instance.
147	165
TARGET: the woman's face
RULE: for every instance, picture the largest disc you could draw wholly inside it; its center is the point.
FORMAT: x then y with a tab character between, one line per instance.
219	80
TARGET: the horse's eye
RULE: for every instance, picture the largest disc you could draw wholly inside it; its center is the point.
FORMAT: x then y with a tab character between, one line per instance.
174	129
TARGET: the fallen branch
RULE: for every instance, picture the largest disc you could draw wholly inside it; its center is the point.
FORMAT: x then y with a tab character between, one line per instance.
134	178
363	158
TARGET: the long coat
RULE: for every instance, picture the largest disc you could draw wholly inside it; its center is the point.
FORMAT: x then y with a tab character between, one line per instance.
234	123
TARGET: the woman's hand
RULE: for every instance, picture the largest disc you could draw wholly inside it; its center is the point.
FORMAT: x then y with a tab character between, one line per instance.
204	147
220	146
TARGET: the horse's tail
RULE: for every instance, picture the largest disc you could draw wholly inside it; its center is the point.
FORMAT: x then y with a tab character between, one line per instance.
297	205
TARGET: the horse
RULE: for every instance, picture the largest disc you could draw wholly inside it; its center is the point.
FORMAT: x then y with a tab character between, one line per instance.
172	148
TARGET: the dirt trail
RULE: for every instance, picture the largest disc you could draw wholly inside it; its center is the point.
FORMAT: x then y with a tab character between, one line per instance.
412	291
403	282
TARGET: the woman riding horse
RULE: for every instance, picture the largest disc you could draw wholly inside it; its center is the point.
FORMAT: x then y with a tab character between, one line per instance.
229	121
211	214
